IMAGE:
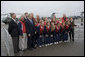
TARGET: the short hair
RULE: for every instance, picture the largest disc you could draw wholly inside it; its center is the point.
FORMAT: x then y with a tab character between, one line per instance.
11	14
25	13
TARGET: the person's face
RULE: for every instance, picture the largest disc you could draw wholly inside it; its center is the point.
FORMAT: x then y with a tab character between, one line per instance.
64	24
71	19
38	17
26	15
46	19
40	20
30	16
22	18
52	23
54	19
64	15
54	16
60	19
14	16
48	23
42	23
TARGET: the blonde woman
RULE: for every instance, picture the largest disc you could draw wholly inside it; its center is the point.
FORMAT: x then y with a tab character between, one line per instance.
47	33
41	31
52	33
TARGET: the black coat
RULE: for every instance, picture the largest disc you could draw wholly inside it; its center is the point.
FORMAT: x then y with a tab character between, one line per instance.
30	28
13	29
72	25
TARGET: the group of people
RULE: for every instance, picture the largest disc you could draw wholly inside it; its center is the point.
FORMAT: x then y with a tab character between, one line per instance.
29	32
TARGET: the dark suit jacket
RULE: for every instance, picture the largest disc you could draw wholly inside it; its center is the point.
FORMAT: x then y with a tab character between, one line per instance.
72	25
30	28
13	29
20	29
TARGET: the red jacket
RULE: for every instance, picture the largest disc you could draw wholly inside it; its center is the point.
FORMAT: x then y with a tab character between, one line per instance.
62	28
44	22
23	27
57	22
47	28
67	26
63	19
56	28
41	29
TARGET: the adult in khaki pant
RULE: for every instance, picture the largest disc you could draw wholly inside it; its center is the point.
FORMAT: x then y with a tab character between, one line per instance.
22	34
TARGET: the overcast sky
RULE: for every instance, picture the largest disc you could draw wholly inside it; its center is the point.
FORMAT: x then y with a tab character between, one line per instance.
43	8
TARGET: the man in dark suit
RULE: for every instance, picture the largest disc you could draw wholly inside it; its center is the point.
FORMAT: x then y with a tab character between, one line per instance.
30	29
72	25
26	15
13	31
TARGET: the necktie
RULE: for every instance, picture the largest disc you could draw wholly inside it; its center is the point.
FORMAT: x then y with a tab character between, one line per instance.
31	21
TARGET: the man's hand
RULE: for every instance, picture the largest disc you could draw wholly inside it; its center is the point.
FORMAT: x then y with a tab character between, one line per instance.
46	35
35	32
51	35
29	35
40	36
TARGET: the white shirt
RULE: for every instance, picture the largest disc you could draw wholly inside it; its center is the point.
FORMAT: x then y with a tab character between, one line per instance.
26	18
14	19
31	21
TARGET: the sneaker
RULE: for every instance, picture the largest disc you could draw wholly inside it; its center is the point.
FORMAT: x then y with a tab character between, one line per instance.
56	42
40	46
48	44
65	41
51	43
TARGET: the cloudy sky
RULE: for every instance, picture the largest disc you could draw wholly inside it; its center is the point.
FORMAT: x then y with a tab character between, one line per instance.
43	8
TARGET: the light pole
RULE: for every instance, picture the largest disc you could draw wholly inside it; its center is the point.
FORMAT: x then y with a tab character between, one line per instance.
82	17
